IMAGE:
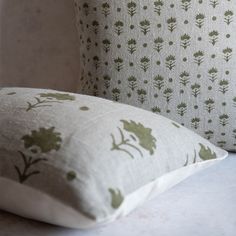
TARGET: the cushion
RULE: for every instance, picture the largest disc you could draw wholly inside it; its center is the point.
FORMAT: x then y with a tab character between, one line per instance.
81	161
175	58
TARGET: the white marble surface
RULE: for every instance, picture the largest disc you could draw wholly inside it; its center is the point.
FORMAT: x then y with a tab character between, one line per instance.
203	205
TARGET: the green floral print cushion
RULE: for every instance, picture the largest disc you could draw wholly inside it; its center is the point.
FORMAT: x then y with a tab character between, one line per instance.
172	57
85	161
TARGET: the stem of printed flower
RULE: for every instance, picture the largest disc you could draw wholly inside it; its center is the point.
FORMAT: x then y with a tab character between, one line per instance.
39	103
28	162
124	141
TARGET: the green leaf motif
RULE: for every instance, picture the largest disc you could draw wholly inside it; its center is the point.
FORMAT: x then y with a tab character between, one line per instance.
146	140
58	96
206	153
45	139
116	198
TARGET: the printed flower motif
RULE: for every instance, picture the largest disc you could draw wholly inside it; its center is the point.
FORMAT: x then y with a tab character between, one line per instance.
146	140
145	26
45	139
128	144
206	153
158	6
131	8
50	98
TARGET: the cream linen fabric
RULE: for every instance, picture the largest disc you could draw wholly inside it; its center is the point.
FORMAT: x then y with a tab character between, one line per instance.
175	58
80	161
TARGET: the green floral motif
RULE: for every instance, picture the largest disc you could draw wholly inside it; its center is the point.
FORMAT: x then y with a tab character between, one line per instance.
156	110
184	78
159	82
48	101
28	162
132	83
116	198
213	74
171	24
182	108
38	142
210	105
119	27
186	4
121	146
116	94
95	25
39	103
224	86
146	140
227	54
158	6
158	44
228	17
45	139
105	9
200	20
142	95
195	122
214	3
198	57
131	8
170	62
206	153
144	63
185	41
213	37
144	136
145	26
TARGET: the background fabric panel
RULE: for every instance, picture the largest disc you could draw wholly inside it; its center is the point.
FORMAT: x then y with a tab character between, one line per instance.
175	58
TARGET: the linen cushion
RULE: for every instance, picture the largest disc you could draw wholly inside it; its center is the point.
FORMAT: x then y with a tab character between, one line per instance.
81	161
175	58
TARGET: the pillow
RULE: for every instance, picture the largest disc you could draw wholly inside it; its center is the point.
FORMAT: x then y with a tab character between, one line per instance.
175	58
81	161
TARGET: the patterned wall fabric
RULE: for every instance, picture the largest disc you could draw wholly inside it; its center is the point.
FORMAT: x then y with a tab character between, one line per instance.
176	58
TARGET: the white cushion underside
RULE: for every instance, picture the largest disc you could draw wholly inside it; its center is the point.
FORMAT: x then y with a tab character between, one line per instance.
31	203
